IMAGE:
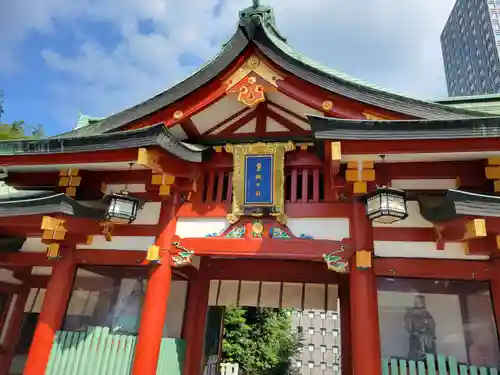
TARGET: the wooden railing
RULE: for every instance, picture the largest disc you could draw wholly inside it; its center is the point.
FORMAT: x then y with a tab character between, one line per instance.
302	185
99	352
433	365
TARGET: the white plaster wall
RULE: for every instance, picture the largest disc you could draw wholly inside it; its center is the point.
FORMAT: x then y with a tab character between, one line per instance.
149	214
120	243
444	308
200	227
408	249
414	219
320	228
131	188
424	184
7	276
34	245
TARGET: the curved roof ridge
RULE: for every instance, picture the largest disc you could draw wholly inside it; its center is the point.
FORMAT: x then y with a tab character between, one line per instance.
257	25
336	75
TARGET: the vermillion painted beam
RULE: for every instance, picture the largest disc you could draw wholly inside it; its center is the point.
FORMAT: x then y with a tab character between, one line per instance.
227	120
194	102
237	124
434	268
114	156
261	248
24	260
270	270
313	96
30	225
292	127
292	210
189	128
419	146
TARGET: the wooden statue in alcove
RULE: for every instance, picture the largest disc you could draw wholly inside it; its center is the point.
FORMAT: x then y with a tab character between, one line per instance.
421	327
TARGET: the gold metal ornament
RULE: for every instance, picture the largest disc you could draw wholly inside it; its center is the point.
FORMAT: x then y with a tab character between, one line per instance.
254	65
178	114
240	152
257	228
372	117
327	105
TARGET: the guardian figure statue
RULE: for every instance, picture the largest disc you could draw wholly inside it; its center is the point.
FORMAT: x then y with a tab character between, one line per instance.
421	327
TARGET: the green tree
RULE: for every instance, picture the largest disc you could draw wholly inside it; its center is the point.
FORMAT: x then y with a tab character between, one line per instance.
17	129
260	340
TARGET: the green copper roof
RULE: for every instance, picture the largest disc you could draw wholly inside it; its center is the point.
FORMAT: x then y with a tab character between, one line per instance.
84	120
257	26
489	103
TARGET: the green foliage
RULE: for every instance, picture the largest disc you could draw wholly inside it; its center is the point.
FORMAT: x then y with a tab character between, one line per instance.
17	129
260	340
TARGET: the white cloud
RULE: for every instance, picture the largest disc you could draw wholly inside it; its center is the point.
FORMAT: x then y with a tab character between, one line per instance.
392	43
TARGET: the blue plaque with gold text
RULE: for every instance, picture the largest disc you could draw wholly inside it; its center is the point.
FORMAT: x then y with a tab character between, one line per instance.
259	180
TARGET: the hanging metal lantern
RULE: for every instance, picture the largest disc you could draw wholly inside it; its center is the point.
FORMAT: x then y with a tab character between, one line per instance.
122	207
386	205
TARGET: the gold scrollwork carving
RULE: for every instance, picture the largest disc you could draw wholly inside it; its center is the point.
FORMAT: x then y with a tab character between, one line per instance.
239	152
372	117
254	65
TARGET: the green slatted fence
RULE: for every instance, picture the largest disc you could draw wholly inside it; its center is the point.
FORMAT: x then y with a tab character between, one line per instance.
445	366
99	352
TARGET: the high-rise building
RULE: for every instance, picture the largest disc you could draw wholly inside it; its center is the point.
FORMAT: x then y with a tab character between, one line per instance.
319	352
470	43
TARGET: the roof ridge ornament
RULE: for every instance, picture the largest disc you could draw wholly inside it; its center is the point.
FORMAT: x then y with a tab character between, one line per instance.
259	15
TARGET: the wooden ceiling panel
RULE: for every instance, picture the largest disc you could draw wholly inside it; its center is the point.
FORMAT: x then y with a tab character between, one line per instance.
249	127
291	116
274	126
222	127
178	132
216	113
291	104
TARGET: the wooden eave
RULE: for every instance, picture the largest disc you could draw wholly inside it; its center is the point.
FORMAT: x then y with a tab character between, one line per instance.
152	136
459	203
55	203
325	128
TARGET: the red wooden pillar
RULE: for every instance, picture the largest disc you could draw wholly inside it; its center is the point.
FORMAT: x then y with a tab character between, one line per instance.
365	335
51	315
345	332
13	330
154	310
196	315
495	292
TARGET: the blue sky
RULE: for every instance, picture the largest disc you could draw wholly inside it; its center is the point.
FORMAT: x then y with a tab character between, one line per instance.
60	57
